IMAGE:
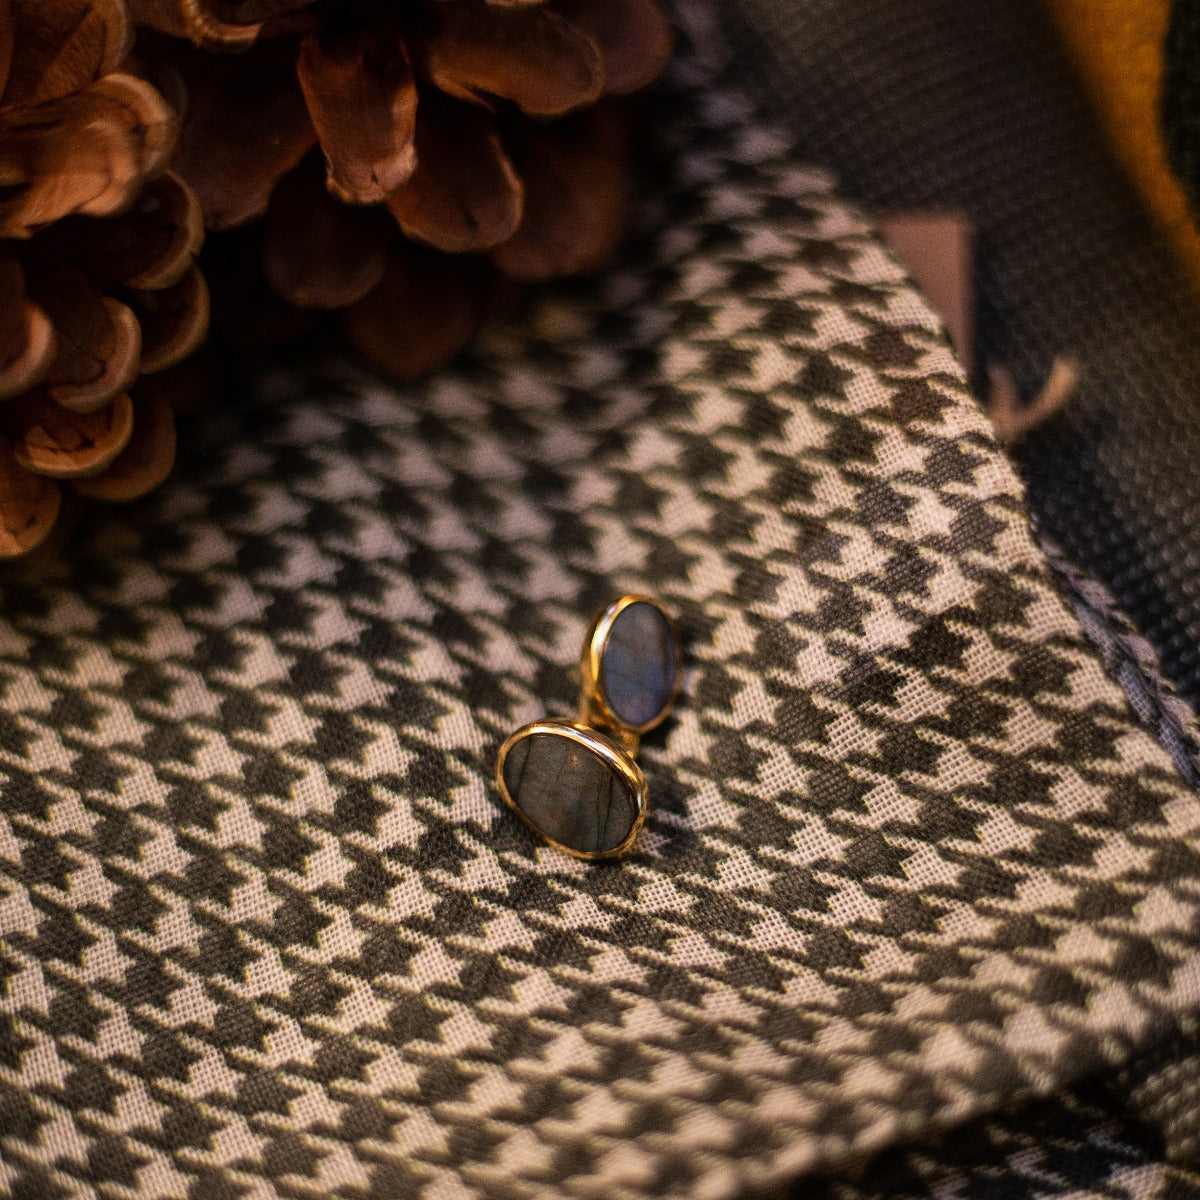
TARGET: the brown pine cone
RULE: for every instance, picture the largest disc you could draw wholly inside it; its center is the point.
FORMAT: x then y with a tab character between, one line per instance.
410	157
97	277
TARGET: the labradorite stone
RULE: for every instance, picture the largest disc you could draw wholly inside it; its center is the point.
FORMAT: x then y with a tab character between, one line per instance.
569	793
637	670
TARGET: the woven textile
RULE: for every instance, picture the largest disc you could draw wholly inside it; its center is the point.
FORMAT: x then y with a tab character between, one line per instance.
1163	1090
943	104
1132	661
266	929
1071	1145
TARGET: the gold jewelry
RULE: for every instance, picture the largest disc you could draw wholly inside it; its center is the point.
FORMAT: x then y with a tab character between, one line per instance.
575	782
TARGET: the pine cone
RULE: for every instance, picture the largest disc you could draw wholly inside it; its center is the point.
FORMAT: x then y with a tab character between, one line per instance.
408	157
97	279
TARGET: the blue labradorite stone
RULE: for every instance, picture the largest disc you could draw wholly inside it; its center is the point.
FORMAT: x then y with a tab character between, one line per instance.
571	794
637	669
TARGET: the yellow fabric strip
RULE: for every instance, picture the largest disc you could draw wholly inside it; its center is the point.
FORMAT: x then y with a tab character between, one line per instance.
1117	46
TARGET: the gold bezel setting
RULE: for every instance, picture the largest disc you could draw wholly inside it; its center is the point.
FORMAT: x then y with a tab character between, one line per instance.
593	704
613	757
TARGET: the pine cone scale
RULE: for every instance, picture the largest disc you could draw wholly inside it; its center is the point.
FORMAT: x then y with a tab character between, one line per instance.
65	45
247	127
145	461
173	212
465	196
363	106
47	440
52	165
150	124
26	337
106	359
29	505
8	42
221	26
633	36
318	253
85	153
424	311
173	320
99	340
575	196
529	56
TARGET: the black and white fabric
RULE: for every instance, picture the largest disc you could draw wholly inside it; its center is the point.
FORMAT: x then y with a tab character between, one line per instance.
265	929
1162	1089
975	108
1067	1147
1129	658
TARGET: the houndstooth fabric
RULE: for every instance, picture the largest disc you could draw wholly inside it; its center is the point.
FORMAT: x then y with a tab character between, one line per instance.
1072	1146
975	108
1132	661
266	930
1162	1088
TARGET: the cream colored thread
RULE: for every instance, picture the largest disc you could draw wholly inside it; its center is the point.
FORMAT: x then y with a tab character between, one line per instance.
1012	419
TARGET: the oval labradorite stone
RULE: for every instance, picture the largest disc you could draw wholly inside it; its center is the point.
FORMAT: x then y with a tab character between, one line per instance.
637	666
570	793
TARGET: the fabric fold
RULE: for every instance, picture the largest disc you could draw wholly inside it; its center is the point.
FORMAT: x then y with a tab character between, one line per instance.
934	106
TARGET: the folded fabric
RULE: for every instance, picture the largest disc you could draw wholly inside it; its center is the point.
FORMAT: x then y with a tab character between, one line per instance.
1163	1091
976	108
1133	662
265	928
1073	1146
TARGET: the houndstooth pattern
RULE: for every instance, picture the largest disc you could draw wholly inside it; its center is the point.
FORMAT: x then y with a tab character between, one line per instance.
1071	1146
1162	1088
1132	661
267	930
